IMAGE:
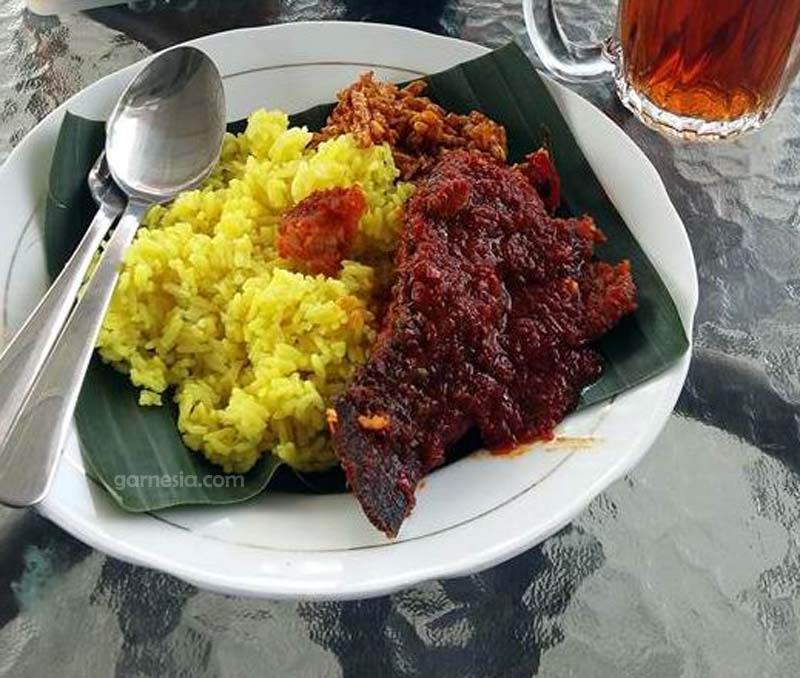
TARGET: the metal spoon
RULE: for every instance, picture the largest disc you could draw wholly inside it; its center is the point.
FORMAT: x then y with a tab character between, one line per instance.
22	360
164	137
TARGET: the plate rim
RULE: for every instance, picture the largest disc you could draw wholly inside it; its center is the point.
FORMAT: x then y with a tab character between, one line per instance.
275	587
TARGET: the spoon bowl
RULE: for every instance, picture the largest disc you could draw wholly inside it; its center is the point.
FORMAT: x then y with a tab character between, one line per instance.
165	133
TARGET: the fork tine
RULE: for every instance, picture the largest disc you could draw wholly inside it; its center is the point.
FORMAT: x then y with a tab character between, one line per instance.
101	183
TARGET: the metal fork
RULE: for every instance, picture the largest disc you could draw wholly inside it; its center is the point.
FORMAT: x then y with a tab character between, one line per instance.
22	359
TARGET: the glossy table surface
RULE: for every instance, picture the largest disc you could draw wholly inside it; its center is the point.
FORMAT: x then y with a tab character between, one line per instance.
690	566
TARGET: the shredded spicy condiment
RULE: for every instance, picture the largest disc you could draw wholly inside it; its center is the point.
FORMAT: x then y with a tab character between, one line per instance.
417	129
490	326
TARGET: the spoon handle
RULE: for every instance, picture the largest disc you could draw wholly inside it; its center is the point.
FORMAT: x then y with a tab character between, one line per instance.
22	360
29	457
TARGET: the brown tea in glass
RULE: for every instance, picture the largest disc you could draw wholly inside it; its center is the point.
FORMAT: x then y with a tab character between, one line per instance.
697	68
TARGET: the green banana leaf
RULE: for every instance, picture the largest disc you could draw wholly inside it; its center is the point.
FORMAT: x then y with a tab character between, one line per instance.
120	439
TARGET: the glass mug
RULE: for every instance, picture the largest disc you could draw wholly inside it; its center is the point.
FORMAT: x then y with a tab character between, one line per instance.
699	69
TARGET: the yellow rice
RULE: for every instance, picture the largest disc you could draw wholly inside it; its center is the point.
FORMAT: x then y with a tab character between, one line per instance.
251	349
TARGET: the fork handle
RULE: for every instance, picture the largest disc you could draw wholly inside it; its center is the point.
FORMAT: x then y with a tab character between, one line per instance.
30	453
22	359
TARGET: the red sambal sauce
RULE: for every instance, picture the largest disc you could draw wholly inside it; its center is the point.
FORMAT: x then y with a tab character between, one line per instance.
319	232
512	296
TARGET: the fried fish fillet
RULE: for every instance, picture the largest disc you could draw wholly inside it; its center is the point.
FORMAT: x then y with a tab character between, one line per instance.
490	326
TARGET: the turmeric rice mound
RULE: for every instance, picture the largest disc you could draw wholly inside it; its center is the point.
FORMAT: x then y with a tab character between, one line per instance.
249	347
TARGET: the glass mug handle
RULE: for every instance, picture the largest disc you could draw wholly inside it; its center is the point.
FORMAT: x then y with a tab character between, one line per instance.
563	58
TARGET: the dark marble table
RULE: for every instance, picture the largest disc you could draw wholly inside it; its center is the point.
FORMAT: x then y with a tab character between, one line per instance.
689	566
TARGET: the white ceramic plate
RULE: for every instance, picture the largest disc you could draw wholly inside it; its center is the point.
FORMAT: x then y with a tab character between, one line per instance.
471	514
